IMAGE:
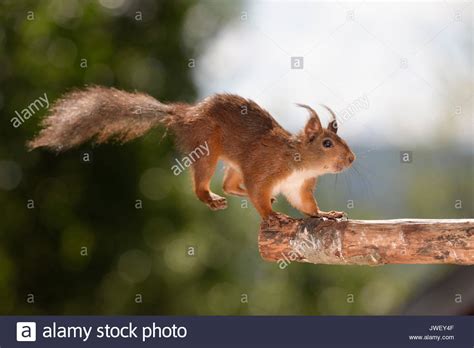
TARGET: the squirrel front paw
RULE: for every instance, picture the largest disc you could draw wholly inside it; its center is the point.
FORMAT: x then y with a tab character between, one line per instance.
330	214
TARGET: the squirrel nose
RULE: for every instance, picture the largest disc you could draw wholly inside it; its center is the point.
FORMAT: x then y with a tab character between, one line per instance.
351	158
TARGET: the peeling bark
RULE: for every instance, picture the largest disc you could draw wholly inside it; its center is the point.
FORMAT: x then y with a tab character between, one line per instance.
367	242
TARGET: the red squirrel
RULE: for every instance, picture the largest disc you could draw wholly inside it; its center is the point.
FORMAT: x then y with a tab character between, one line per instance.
262	159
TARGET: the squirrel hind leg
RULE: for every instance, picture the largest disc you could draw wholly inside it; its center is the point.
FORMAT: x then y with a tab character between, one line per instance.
261	197
203	170
233	182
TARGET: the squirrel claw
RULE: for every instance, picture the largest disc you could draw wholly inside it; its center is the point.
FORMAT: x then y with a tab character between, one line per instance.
275	216
217	203
331	214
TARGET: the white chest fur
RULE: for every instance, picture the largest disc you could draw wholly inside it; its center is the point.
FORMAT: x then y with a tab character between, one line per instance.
290	187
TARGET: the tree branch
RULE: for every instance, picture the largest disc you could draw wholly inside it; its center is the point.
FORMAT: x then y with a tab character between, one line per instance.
367	242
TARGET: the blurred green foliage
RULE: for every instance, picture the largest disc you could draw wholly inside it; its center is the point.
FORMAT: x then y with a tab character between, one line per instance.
111	236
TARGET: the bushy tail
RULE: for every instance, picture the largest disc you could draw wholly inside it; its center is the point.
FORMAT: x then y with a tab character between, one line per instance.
100	114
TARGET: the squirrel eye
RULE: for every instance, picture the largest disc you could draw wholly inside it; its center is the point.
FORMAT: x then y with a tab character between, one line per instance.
327	143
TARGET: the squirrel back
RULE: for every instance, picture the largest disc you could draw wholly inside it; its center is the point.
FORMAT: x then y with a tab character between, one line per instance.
102	114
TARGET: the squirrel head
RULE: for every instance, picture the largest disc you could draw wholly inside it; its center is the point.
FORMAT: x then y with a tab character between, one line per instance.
322	149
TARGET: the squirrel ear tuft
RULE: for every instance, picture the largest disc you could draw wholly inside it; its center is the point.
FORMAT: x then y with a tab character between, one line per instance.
313	125
332	126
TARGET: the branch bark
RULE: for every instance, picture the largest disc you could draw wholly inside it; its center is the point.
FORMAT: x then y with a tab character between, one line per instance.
367	242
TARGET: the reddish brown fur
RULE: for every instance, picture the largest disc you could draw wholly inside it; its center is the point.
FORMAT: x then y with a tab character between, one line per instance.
260	154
